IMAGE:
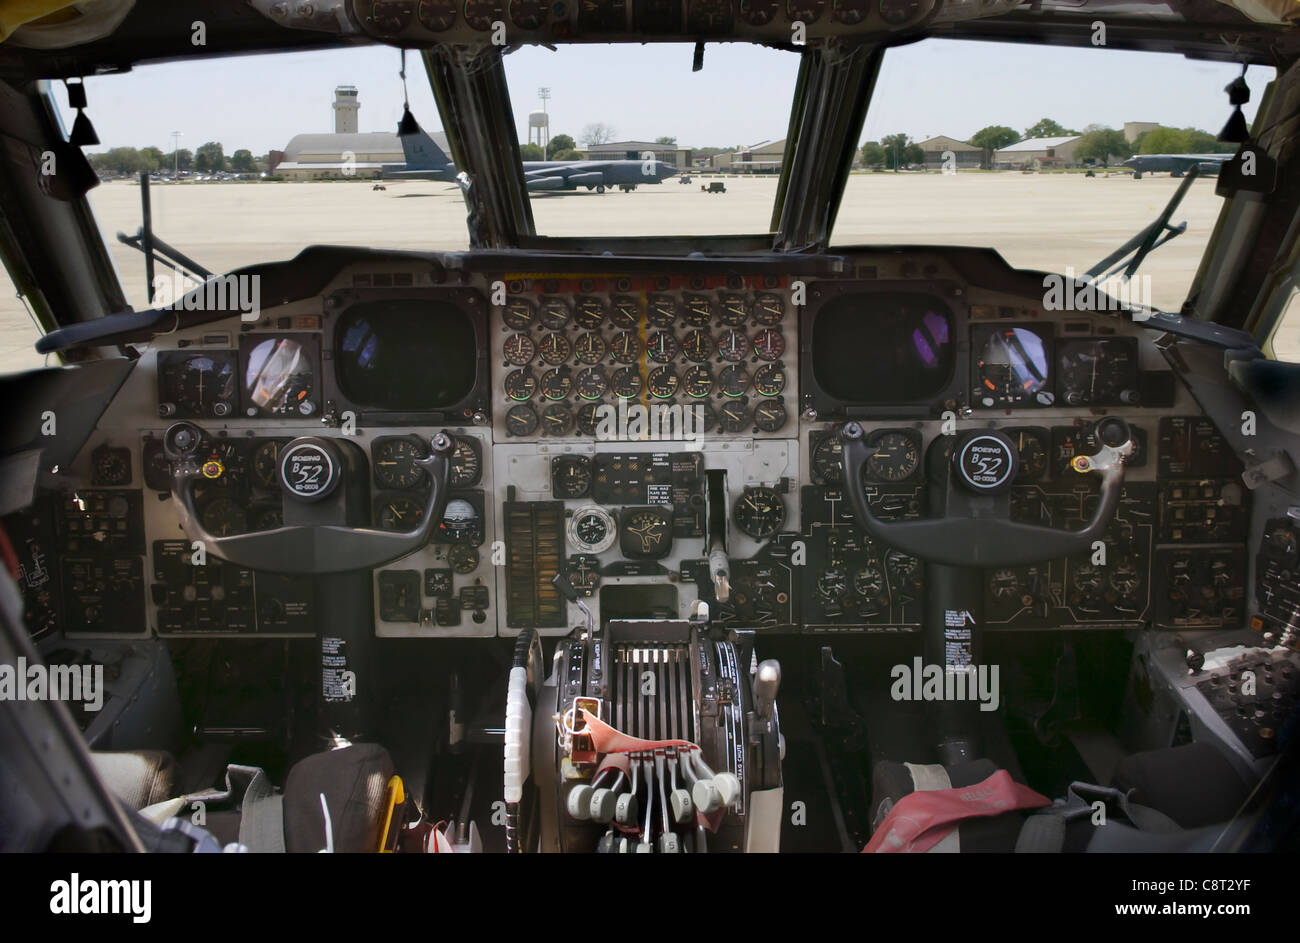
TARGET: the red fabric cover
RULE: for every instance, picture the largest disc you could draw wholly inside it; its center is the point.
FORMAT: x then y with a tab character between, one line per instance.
920	820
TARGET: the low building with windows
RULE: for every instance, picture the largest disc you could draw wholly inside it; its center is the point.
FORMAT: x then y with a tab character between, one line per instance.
1037	153
680	157
966	156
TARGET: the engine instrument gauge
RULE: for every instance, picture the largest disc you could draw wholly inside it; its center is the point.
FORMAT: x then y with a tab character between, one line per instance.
769	344
626	383
769	308
1013	369
697	346
591	383
463	558
662	382
481	14
589	418
555	313
734	416
625	347
520	384
521	420
806	11
734	310
902	12
588	312
661	347
589	348
733	380
390	16
661	310
466	462
394	460
555	349
759	12
759	512
437	15
698	381
527	14
556	384
398	512
769	379
699	311
519	314
625	311
896	457
770	415
828	460
733	346
849	12
646	533
557	420
519	349
570	477
591	529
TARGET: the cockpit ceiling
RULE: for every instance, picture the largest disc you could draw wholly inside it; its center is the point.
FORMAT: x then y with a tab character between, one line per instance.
1257	31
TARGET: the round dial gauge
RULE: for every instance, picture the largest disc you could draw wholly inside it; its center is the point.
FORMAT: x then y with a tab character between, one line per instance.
223	516
1124	577
555	314
557	383
807	11
570	477
589	418
849	12
266	459
527	14
902	12
519	349
625	311
437	15
589	312
759	12
200	385
698	381
557	420
626	383
589	348
647	533
1086	578
697	346
832	583
520	384
397	512
1032	452
896	457
769	415
769	308
591	529
518	314
661	310
466	463
1100	371
521	420
769	379
1012	369
869	582
555	349
734	312
591	383
769	344
662	382
625	347
391	16
481	14
460	522
395	466
733	380
111	465
733	346
1005	585
463	558
759	512
661	347
583	571
828	460
699	311
734	416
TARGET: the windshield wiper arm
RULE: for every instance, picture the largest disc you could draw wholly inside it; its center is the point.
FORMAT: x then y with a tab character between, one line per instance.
155	249
1148	240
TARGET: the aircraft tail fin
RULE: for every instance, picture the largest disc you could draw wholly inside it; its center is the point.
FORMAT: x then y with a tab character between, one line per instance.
422	153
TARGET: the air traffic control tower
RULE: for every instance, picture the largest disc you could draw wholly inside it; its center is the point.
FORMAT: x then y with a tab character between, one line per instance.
346	107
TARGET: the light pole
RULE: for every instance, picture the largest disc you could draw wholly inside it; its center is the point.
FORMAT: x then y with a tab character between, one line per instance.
545	95
176	152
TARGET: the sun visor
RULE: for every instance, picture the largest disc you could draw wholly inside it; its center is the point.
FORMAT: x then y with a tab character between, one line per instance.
59	24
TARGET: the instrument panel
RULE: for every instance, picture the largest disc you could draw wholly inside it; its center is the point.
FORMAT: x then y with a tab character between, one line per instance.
617	427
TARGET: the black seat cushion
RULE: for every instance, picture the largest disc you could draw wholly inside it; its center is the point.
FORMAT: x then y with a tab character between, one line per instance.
1193	784
137	777
354	781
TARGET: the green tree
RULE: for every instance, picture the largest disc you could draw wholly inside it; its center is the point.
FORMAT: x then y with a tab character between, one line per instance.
151	159
1101	144
900	151
993	138
1165	141
241	162
671	142
565	155
1047	128
561	142
178	160
1203	142
873	155
122	160
531	152
210	158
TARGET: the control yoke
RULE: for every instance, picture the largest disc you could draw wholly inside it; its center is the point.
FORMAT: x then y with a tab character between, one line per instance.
972	483
311	474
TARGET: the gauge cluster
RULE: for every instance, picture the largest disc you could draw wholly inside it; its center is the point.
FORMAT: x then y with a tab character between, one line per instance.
1026	366
670	357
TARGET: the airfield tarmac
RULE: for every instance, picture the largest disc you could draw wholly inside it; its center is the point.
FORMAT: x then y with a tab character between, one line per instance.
1039	221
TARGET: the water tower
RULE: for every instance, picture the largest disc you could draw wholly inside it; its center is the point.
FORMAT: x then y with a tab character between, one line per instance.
346	107
539	129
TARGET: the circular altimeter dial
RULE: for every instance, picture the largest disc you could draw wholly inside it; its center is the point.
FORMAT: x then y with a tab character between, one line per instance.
591	529
519	349
759	512
895	457
394	464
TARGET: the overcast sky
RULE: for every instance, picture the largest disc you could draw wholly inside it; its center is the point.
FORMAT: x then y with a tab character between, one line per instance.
741	97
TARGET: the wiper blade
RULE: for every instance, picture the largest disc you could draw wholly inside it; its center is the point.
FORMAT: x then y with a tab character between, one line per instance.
1148	240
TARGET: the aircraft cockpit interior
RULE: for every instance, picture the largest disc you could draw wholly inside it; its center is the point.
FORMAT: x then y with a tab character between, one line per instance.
474	490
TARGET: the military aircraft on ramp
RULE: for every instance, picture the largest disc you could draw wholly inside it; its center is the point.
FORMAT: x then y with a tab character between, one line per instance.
1176	164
